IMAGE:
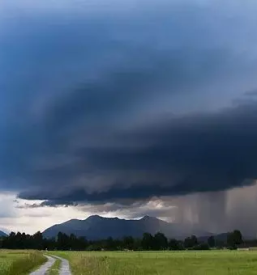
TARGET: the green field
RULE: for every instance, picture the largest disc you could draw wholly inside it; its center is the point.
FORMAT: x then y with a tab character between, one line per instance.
162	263
19	262
136	263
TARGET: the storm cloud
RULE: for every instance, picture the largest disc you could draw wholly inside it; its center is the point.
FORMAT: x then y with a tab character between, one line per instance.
197	153
123	105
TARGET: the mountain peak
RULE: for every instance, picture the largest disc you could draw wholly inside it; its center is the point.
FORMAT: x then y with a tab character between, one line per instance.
94	218
148	218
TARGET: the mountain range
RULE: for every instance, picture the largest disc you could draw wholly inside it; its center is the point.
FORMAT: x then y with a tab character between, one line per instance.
97	227
2	234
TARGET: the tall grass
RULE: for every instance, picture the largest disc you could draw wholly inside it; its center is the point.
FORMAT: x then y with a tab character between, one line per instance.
101	265
22	265
162	263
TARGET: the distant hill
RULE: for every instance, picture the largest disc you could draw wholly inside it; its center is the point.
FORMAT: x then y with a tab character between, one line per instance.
97	227
2	234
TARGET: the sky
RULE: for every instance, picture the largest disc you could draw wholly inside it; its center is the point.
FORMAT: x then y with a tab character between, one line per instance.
128	109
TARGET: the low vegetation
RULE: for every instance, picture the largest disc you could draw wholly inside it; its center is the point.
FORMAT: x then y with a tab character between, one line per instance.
55	268
163	263
19	262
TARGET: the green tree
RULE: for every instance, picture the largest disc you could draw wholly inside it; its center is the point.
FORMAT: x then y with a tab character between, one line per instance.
37	240
160	241
174	244
234	238
128	242
238	237
190	242
147	241
211	241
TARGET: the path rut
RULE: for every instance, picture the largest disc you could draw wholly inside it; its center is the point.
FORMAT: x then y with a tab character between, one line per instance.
45	267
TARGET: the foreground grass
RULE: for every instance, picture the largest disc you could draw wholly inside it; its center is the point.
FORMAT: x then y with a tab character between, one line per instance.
19	262
163	263
55	268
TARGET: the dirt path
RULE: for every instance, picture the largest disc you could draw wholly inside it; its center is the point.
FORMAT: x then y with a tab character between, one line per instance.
45	267
65	266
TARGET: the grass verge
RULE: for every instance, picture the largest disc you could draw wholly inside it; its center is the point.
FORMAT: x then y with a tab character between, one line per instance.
18	263
55	268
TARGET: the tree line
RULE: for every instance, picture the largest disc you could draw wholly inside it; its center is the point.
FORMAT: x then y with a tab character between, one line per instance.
147	242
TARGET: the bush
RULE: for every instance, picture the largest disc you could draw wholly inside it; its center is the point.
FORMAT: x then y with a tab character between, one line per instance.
202	246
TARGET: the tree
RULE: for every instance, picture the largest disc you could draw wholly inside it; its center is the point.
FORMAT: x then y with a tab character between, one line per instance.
238	237
128	242
211	241
234	238
190	242
62	241
147	241
174	244
37	241
160	241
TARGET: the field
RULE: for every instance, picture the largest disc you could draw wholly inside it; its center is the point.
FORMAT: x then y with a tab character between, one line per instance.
162	263
19	262
136	263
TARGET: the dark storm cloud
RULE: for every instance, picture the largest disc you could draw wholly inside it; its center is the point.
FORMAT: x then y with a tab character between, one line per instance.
208	152
98	108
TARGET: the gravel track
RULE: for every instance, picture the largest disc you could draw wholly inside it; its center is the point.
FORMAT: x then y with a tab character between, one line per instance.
45	267
43	270
65	266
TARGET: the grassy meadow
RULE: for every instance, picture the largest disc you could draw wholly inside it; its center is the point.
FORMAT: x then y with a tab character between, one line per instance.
14	262
136	263
163	263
